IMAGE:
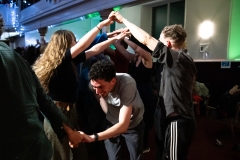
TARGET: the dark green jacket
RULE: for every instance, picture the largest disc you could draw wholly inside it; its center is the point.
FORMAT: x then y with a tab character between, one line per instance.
21	98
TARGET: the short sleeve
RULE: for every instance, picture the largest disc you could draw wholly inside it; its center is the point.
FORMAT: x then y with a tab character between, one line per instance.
68	55
78	59
157	51
128	94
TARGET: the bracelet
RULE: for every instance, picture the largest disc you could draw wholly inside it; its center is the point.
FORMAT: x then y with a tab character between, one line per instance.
95	136
98	28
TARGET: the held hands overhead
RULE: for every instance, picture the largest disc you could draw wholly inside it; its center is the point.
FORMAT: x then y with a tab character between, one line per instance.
116	16
116	32
113	16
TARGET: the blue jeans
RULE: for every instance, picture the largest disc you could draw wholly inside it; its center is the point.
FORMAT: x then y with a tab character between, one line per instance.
134	141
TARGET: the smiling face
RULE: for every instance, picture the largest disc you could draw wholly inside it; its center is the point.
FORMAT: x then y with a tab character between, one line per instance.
102	87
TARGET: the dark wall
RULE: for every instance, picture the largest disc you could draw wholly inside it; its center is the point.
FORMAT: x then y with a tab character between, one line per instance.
218	79
160	15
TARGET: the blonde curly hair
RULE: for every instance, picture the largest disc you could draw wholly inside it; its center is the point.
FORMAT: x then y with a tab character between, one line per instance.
52	56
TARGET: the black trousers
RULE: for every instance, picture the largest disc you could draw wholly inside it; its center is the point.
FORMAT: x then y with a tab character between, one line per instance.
178	137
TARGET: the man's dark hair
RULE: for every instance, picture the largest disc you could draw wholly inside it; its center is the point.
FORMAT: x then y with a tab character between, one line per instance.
1	25
103	70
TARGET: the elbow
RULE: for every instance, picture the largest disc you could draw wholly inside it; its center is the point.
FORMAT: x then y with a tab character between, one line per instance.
123	129
146	39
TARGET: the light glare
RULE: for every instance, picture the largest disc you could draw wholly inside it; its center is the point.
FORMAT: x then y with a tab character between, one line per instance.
206	29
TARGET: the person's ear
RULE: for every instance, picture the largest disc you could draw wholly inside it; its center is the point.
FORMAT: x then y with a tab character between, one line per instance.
169	44
113	81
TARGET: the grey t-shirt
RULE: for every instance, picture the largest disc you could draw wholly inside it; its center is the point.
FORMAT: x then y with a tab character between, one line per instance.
125	93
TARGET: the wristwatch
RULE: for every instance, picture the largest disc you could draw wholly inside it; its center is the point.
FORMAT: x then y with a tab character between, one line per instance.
95	136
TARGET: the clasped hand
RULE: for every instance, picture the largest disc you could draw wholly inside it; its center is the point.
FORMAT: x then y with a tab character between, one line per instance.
74	139
77	137
116	16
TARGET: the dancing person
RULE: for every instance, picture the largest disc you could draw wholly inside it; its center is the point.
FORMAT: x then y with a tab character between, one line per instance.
176	84
56	70
120	100
21	97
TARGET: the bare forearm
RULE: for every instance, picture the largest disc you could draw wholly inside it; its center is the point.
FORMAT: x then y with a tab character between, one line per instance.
113	131
137	32
130	43
121	126
98	48
124	52
141	52
141	35
84	42
67	129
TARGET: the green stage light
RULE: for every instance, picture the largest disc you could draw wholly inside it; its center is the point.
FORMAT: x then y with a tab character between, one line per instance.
234	34
117	8
91	15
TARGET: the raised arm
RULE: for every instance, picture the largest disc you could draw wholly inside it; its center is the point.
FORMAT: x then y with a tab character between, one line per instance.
87	39
109	52
137	32
123	51
115	33
98	48
147	58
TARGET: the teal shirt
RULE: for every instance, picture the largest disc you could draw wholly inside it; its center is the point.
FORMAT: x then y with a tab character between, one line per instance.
21	96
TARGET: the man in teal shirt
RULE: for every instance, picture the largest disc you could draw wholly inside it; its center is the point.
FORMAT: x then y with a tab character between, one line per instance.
21	97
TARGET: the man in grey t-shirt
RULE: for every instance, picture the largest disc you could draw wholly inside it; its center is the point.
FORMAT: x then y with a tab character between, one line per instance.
120	100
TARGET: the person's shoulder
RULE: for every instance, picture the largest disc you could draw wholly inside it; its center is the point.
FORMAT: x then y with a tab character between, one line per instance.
4	46
158	48
123	75
186	55
124	78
